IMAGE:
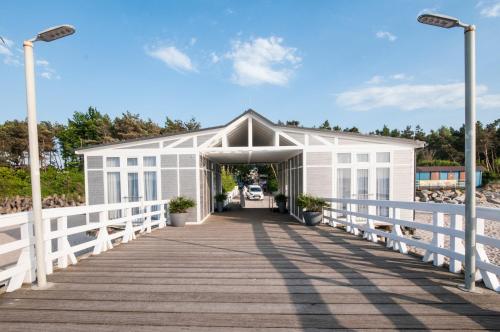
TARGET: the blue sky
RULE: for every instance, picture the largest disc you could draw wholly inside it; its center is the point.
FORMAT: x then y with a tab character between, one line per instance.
355	63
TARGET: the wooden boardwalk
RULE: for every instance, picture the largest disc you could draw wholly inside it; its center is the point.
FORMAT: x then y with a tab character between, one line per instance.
249	270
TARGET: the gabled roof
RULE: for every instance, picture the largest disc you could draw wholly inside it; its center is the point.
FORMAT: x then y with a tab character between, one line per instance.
261	118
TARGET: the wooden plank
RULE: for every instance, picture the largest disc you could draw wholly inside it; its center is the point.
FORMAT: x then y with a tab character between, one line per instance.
249	270
423	298
255	308
250	320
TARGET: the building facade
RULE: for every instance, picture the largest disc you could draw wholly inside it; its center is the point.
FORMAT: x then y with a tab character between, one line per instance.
444	176
318	162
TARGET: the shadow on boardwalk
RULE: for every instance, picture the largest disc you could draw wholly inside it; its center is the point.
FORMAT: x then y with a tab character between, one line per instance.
249	269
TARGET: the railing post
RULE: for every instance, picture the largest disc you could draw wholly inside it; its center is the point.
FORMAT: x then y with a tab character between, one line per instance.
490	279
456	243
48	246
370	236
128	233
437	241
103	240
26	261
163	218
27	233
355	230
333	215
62	225
63	245
397	231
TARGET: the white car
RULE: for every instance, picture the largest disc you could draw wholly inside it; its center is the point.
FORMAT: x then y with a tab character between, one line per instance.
255	192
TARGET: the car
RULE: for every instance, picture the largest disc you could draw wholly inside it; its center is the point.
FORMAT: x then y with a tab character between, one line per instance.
255	192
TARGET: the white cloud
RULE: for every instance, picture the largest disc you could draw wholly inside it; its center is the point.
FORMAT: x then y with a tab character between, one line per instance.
386	35
489	8
173	58
409	97
214	57
263	61
43	63
47	71
401	77
192	41
377	79
9	54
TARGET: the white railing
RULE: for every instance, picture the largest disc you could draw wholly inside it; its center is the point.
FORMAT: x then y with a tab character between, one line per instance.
363	216
126	219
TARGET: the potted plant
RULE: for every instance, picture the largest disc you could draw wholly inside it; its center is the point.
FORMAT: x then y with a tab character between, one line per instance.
220	198
178	210
280	200
313	208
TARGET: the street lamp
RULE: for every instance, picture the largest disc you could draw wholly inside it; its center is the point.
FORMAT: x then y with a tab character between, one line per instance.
29	66
444	21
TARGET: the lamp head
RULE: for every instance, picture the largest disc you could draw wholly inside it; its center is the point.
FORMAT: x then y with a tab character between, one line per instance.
54	33
439	20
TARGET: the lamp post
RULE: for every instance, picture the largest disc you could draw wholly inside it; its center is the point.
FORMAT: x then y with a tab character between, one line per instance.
447	22
29	65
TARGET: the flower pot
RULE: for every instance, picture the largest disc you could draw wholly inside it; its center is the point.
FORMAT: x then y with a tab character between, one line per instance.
312	218
220	206
178	219
282	207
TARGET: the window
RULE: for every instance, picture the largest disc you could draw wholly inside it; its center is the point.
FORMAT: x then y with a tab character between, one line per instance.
343	158
362	157
114	193
383	189
132	162
113	161
343	185
383	157
149	161
133	190
150	186
133	187
362	190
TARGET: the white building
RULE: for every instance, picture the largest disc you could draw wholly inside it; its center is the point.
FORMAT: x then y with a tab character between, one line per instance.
318	162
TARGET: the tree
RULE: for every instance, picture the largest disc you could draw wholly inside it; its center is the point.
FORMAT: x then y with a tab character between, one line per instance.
384	132
407	133
14	143
419	133
176	126
325	125
227	180
352	130
130	126
292	123
84	129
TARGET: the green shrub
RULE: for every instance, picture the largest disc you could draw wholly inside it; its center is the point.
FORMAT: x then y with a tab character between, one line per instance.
272	185
69	182
228	181
280	198
180	204
311	203
221	197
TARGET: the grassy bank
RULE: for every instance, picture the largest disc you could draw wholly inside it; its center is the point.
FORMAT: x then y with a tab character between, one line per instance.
16	182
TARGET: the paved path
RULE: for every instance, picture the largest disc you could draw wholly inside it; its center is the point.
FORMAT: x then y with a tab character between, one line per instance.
249	270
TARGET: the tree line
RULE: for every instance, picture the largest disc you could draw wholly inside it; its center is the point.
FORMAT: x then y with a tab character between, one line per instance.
58	142
444	146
